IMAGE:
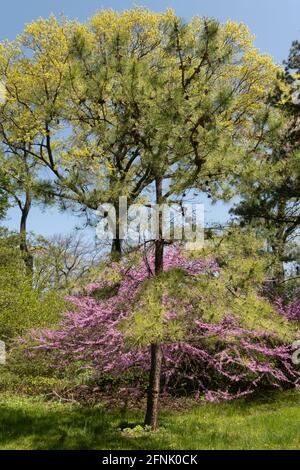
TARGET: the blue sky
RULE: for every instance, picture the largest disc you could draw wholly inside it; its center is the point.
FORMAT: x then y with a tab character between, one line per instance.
275	24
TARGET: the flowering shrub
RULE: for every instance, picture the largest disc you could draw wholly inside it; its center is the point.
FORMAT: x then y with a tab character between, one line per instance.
291	311
218	341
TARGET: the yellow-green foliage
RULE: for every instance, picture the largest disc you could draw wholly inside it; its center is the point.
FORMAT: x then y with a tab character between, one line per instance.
135	79
234	291
148	321
22	307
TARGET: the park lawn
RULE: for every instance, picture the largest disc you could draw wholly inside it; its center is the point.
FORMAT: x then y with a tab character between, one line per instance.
272	423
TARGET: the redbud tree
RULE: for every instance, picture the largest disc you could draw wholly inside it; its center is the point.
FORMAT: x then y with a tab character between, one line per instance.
219	336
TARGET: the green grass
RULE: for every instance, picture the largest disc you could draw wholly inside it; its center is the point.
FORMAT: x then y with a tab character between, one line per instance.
34	424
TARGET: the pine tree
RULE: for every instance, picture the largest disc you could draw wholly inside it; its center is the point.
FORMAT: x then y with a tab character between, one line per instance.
270	186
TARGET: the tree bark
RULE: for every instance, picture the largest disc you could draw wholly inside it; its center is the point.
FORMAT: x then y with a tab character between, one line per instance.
116	247
151	418
27	256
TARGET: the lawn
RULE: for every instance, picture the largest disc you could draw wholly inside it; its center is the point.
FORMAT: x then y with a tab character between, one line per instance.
273	423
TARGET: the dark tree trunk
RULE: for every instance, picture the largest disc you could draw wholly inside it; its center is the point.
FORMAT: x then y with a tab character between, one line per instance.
27	256
151	418
116	247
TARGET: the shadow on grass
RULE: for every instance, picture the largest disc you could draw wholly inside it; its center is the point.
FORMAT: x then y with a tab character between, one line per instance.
271	422
40	428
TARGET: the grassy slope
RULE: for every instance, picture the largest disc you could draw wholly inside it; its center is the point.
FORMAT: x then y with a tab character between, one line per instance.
34	424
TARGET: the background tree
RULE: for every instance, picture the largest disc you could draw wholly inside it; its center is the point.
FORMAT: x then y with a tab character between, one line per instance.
270	186
22	188
29	106
21	306
65	262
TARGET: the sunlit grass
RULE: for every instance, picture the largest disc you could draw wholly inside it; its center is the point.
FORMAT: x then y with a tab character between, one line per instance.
273	423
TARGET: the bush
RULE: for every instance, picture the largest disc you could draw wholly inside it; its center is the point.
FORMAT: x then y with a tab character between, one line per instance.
21	306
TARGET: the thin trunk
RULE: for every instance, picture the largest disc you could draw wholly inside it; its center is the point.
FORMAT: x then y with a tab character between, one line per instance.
28	258
116	247
151	418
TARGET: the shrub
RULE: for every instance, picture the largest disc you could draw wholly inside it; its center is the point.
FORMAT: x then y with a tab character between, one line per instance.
21	306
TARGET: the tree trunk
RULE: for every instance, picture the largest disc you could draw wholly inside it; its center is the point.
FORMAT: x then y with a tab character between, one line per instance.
151	418
116	247
28	258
